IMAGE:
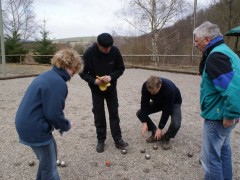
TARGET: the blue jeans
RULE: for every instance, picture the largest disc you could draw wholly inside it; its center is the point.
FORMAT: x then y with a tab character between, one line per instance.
216	151
47	156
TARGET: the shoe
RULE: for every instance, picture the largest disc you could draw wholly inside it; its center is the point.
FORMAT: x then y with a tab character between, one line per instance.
100	147
121	144
165	137
166	144
151	139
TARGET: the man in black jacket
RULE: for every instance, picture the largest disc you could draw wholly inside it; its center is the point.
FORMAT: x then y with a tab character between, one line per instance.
160	94
103	65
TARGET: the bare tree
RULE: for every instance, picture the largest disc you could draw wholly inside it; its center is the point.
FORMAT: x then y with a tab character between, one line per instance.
19	17
150	16
231	11
228	12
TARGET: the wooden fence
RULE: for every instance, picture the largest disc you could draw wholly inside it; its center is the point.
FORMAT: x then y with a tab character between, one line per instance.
174	63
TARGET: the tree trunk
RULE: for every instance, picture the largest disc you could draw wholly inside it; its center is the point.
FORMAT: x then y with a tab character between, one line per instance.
155	57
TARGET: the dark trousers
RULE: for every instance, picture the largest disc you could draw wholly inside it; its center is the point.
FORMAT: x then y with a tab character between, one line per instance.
99	114
175	124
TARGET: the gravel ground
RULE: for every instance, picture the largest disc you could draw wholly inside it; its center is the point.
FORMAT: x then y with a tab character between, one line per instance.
77	147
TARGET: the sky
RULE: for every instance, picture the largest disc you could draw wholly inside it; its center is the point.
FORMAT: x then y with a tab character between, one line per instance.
80	18
77	18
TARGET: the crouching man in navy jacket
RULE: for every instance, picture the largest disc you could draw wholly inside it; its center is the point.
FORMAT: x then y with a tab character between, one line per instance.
160	94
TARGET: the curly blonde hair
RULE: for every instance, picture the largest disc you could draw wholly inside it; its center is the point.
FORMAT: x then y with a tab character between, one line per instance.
68	58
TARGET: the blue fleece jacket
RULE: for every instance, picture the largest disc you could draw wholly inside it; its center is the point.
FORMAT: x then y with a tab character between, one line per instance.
41	109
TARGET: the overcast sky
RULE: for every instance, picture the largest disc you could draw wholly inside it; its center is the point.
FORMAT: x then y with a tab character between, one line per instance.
78	18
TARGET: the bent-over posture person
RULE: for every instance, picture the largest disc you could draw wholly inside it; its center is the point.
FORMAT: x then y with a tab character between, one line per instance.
160	94
41	111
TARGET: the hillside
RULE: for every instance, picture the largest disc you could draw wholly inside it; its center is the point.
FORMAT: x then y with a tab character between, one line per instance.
177	39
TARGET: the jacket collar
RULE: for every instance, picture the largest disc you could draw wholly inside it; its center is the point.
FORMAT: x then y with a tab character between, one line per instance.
62	72
213	43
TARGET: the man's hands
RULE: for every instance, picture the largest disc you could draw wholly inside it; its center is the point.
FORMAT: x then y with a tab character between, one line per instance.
158	134
102	80
227	123
106	79
144	128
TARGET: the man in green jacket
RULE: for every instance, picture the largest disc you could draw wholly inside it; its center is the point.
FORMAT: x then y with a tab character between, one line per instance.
219	100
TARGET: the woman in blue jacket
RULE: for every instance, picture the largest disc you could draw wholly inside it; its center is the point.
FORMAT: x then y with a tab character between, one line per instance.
41	111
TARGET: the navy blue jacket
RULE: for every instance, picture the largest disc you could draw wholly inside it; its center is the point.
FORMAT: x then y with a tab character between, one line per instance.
165	99
41	109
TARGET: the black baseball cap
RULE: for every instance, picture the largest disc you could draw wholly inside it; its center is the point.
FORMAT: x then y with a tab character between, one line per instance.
105	40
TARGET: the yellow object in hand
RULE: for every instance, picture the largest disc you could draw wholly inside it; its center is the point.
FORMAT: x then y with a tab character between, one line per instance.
103	87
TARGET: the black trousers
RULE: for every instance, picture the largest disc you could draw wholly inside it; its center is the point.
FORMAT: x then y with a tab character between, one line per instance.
175	124
100	117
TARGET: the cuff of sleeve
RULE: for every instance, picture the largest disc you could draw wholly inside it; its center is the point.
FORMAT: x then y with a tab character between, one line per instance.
94	82
68	126
161	126
143	121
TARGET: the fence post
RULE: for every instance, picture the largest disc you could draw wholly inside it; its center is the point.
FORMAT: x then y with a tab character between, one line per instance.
2	43
21	59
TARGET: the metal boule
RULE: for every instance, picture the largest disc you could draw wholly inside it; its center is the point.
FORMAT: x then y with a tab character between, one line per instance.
155	147
142	150
31	163
58	162
147	156
190	154
63	164
124	151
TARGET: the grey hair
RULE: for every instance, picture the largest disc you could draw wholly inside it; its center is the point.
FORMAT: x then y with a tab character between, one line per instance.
207	29
153	82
